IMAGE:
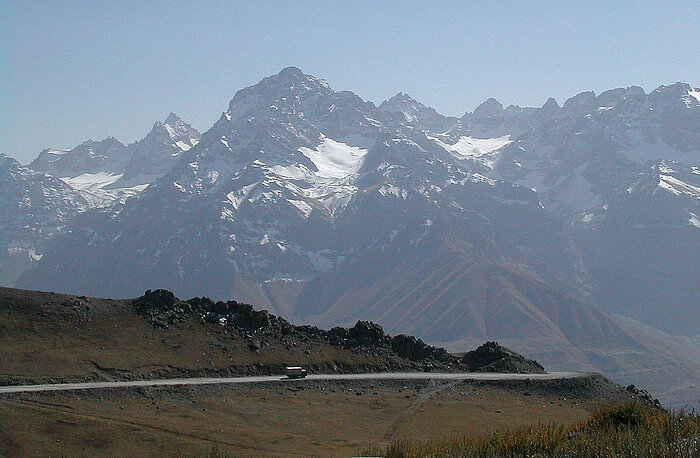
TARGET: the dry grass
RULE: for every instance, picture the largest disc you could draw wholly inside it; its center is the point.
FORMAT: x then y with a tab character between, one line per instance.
266	420
626	430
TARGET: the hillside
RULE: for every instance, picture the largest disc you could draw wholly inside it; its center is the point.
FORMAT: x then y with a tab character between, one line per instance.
158	335
49	337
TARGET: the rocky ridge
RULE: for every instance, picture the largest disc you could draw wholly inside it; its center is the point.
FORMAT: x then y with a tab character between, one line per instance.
162	309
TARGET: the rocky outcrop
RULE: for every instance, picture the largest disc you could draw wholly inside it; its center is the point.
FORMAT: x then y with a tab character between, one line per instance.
415	349
162	309
492	357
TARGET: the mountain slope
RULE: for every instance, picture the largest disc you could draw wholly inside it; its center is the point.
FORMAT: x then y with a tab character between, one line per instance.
34	208
642	248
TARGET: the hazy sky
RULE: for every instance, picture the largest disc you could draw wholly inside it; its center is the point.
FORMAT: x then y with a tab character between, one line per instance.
72	70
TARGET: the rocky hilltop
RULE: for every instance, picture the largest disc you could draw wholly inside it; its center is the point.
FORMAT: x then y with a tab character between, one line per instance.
158	334
261	329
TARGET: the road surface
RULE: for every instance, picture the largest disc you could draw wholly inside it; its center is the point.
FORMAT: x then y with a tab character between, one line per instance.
278	378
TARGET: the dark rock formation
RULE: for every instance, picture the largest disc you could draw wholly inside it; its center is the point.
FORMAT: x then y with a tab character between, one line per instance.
492	357
162	309
367	333
415	349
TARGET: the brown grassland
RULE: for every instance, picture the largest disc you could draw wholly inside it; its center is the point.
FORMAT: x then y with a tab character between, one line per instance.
329	419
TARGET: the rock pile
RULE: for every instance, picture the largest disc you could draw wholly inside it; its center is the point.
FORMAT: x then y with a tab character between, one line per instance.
162	309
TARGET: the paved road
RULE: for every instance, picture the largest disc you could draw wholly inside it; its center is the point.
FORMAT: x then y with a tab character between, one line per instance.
278	378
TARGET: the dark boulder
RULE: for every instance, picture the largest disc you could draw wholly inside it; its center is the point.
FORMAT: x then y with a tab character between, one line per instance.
160	298
244	316
221	308
162	308
409	347
367	333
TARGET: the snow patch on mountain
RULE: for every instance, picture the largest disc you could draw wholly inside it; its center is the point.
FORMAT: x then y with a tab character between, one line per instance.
468	147
92	182
694	220
302	206
335	159
677	187
694	93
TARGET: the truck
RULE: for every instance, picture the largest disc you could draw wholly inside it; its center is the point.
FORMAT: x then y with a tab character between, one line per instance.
295	372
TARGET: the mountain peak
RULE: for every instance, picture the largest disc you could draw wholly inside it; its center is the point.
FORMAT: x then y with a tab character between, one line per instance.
172	119
550	105
290	75
290	83
109	142
489	109
173	129
291	71
583	102
402	102
683	93
400	97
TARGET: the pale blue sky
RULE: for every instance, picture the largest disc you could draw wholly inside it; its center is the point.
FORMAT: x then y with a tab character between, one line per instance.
73	70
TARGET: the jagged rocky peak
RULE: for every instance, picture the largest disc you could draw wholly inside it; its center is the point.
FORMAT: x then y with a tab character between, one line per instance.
677	95
270	121
491	108
101	147
105	147
613	97
173	119
156	153
283	91
399	98
89	157
415	112
402	102
550	106
173	131
580	103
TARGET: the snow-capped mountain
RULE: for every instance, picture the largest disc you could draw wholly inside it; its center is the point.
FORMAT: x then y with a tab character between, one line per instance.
34	208
40	200
90	157
326	208
107	171
580	155
158	152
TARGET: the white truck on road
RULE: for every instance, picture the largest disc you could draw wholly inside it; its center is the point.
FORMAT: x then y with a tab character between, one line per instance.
295	372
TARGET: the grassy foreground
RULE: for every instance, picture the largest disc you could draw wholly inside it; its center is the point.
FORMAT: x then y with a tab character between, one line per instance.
626	430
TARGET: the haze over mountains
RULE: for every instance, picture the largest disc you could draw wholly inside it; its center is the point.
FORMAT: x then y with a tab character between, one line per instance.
531	226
